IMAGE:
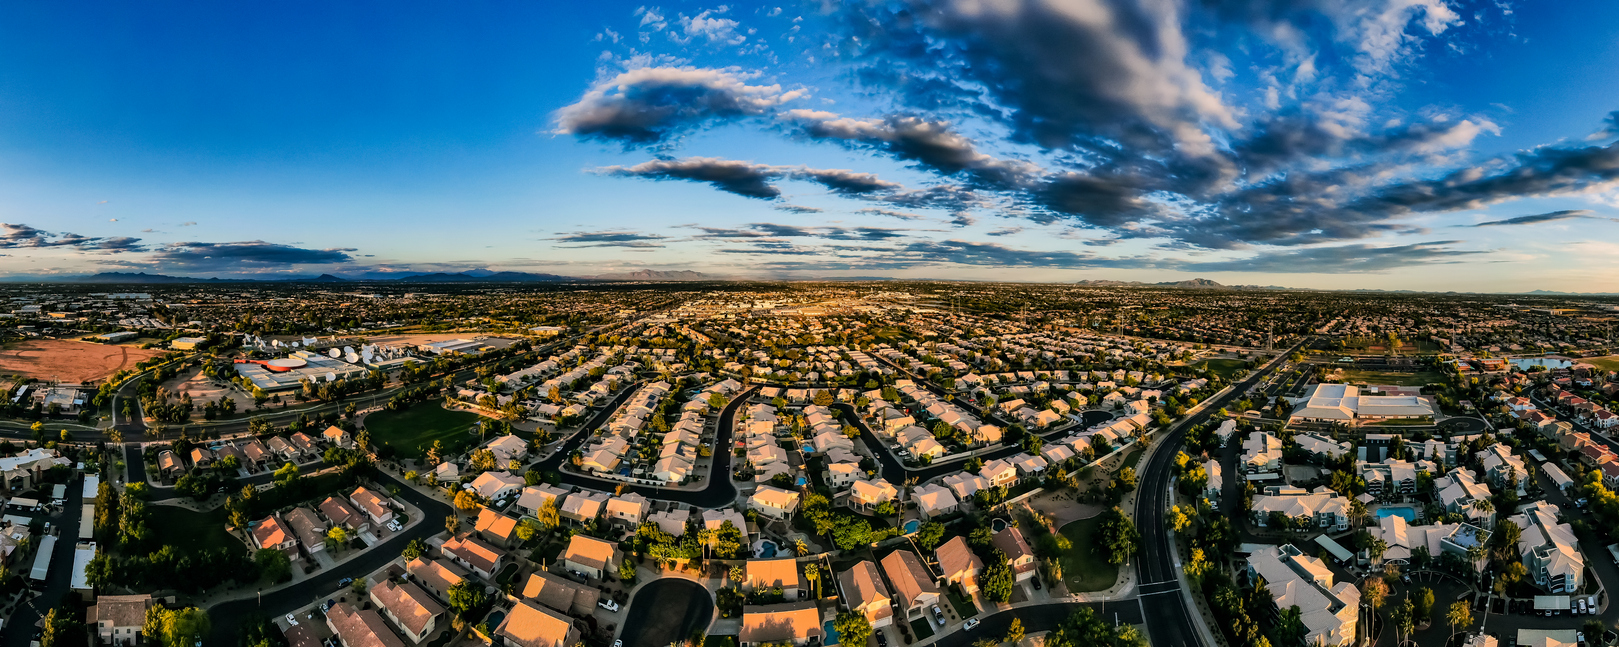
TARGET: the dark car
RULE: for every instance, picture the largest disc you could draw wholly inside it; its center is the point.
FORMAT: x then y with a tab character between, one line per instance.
882	639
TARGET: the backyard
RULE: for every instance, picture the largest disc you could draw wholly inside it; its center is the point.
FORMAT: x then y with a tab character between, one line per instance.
413	430
1082	569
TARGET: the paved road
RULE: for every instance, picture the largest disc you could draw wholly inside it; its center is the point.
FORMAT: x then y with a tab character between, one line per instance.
718	491
665	612
1168	620
895	471
19	628
229	617
1046	617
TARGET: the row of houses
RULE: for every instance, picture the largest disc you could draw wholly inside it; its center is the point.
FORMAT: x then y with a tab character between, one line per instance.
361	512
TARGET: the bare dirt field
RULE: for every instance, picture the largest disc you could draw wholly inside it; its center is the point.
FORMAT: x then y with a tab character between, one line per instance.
203	389
68	361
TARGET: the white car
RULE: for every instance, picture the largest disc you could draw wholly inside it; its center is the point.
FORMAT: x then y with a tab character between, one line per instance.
608	605
292	620
971	622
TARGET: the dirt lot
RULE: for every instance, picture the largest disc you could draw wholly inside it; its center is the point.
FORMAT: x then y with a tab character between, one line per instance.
202	389
68	361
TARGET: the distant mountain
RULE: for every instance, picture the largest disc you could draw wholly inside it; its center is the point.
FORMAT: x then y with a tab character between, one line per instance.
1190	284
472	276
1550	293
153	279
656	275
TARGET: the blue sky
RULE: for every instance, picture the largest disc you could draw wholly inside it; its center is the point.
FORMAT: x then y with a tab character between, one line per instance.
1357	143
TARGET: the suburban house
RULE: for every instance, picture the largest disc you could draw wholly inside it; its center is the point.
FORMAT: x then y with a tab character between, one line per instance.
376	507
271	533
496	528
360	628
999	472
436	576
561	594
795	623
958	564
590	556
1018	554
119	618
629	508
583	506
773	502
913	585
766	574
496	485
336	436
474	554
340	513
309	529
867	495
408	606
530	624
864	593
1330	612
507	449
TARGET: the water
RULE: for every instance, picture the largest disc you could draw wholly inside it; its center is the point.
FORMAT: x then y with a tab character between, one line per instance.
831	635
1408	512
997	524
912	525
1524	363
767	549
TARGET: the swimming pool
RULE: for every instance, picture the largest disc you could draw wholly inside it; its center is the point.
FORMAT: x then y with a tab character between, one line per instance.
767	549
912	525
1407	512
997	524
831	635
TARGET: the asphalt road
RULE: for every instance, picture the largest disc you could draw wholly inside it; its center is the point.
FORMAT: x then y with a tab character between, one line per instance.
895	471
1166	614
229	617
19	629
1046	617
665	612
718	492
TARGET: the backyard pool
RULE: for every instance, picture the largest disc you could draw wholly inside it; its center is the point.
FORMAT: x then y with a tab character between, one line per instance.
1407	512
767	549
912	525
831	635
997	524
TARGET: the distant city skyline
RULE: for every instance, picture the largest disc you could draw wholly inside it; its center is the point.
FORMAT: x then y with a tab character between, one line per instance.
1394	144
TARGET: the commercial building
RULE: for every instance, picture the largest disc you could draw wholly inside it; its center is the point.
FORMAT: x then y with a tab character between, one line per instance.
1345	403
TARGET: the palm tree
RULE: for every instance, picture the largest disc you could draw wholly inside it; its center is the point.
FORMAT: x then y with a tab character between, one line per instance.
800	547
1483	506
1459	615
812	572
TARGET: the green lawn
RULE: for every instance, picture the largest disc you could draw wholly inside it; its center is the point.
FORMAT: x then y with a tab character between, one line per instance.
1083	570
413	430
1132	460
187	530
1608	363
1391	378
922	629
963	605
1225	368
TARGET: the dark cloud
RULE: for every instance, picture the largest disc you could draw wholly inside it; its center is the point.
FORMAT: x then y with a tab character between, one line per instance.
932	145
1005	231
651	104
1342	259
793	208
742	178
20	236
1294	138
1535	219
846	182
1610	127
245	255
628	239
964	252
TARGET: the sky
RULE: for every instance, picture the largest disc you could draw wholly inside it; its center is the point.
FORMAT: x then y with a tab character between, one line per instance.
1461	145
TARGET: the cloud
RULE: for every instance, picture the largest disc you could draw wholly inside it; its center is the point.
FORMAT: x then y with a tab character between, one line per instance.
793	208
1610	127
190	223
1004	231
718	31
741	178
255	254
649	105
620	238
890	213
20	236
751	180
1554	216
931	144
1343	259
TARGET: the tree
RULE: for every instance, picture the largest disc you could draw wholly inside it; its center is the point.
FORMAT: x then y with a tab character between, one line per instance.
1460	615
466	500
1404	620
59	630
1290	628
1374	591
452	523
1118	535
336	537
526	529
416	548
274	565
547	514
466	598
930	535
1180	517
812	572
1424	600
853	628
626	571
998	579
1014	631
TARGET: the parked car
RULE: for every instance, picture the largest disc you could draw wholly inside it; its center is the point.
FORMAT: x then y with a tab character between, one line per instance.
292	620
938	615
345	581
608	605
971	622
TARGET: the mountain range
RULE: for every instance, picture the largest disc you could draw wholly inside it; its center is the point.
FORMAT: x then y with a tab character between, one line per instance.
1192	284
469	276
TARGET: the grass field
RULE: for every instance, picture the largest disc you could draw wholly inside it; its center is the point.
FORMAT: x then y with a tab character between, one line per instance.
1083	570
1391	378
187	530
413	430
1608	363
1224	368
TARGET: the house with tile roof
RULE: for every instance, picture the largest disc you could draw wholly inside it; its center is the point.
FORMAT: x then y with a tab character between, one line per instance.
863	592
308	528
340	513
914	587
561	594
272	533
409	607
360	628
530	624
436	575
795	623
583	506
496	528
378	508
767	574
1010	541
590	556
958	564
1329	611
119	619
474	554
